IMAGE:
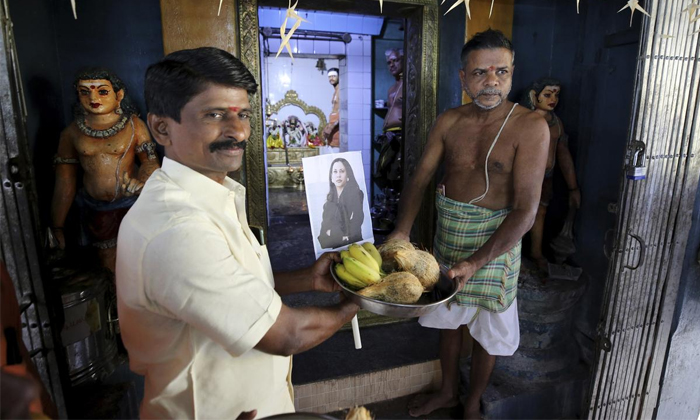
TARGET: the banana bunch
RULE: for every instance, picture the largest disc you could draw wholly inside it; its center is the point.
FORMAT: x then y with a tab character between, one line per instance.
361	266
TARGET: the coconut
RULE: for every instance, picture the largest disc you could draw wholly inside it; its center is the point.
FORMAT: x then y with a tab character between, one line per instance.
421	264
399	287
388	252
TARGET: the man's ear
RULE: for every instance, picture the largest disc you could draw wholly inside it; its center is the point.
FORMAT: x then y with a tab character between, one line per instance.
463	78
120	95
159	129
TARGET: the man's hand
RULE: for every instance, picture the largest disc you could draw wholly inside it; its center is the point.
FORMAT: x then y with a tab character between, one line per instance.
399	235
131	186
575	198
461	272
321	280
247	415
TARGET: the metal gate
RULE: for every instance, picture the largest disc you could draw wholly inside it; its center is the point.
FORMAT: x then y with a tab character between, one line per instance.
653	217
19	216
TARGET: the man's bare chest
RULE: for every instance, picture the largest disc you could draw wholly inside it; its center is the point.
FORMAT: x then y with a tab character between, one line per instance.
467	149
115	145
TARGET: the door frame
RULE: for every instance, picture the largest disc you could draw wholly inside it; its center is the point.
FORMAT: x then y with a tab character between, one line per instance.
420	104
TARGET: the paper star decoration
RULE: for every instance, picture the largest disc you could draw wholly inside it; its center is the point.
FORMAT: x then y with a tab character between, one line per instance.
381	5
72	4
457	3
633	5
577	2
691	9
466	4
219	12
291	13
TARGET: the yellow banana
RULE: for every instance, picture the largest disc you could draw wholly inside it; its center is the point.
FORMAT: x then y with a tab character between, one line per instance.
348	278
360	254
372	251
344	254
361	271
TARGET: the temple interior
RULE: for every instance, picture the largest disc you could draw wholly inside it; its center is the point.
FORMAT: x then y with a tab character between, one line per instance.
594	54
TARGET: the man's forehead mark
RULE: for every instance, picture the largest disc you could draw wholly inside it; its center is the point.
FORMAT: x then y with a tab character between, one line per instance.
234	108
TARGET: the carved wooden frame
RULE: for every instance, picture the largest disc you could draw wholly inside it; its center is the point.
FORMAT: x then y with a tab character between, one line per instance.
420	104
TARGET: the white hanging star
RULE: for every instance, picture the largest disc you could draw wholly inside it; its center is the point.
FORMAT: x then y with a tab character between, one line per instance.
633	5
491	11
381	5
691	9
219	12
457	3
577	2
291	13
72	4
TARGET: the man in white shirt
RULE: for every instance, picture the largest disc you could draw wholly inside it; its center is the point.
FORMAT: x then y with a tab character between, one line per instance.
199	307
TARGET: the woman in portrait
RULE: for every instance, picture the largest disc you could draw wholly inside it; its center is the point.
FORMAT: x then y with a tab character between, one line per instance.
342	213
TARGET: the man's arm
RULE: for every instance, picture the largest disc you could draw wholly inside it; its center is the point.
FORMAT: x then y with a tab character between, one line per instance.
316	277
299	329
65	187
528	173
412	195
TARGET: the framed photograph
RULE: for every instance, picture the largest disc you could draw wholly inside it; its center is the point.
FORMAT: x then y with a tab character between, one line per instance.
336	194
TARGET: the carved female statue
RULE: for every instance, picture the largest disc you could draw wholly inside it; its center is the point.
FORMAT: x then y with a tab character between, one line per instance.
542	97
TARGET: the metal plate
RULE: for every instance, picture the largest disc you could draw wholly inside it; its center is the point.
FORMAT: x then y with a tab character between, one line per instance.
444	290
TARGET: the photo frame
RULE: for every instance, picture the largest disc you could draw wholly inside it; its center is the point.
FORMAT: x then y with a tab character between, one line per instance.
336	194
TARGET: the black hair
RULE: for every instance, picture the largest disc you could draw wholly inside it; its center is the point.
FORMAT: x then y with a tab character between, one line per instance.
488	40
538	86
172	82
101	73
351	185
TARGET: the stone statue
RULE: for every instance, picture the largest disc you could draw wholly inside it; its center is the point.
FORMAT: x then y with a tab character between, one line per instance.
542	97
295	132
331	132
274	134
106	139
394	116
388	170
312	137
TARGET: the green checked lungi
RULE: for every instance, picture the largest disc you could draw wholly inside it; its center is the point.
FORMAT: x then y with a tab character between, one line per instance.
461	230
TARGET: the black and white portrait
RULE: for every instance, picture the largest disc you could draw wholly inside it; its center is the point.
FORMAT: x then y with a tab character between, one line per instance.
337	199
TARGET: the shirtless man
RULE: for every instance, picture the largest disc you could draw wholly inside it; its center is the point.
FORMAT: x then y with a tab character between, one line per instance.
331	132
494	154
105	139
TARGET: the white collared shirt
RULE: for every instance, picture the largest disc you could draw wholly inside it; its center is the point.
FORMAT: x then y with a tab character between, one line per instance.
195	294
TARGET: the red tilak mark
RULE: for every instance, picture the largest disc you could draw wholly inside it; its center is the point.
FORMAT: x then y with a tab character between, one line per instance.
234	108
92	87
492	68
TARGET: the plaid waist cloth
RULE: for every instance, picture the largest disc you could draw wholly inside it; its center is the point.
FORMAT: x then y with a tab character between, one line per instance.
461	230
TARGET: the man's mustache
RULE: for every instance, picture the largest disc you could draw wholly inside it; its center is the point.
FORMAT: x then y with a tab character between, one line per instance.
227	144
489	91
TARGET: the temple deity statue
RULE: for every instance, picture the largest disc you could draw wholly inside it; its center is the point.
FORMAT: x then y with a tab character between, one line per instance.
114	151
543	97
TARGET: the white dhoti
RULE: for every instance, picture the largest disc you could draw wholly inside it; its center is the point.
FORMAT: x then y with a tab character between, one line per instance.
498	333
